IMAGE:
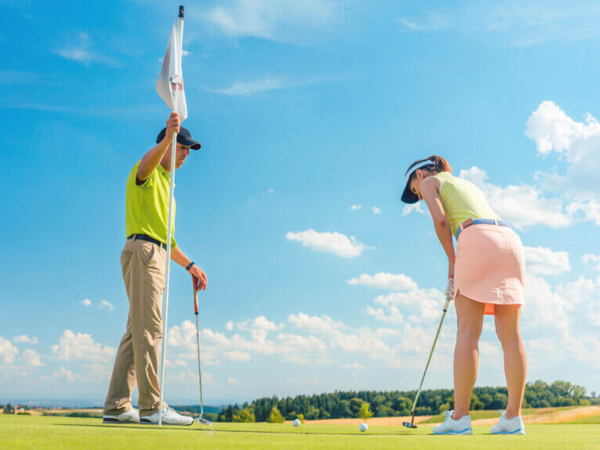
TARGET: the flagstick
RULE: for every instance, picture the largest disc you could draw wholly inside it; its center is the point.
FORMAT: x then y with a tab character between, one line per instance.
169	234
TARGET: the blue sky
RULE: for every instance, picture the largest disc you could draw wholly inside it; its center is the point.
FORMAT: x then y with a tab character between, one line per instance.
309	113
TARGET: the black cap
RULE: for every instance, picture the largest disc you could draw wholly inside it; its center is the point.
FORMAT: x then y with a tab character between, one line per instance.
183	137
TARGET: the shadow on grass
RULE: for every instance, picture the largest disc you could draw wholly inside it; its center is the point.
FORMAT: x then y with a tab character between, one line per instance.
210	430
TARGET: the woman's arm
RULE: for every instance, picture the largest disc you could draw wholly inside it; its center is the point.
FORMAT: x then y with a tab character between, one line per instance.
429	190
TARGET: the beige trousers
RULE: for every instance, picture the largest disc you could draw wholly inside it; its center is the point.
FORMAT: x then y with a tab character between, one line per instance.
143	265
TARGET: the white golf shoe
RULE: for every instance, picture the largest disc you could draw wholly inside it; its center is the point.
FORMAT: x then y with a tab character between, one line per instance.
509	426
169	417
454	427
131	416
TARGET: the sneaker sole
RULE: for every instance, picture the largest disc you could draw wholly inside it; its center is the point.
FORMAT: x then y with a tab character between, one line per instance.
461	432
116	421
520	431
147	422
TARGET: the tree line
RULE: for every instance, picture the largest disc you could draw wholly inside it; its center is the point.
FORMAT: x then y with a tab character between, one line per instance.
349	404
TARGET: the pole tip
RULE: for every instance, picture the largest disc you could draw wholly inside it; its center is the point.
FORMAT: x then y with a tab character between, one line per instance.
181	8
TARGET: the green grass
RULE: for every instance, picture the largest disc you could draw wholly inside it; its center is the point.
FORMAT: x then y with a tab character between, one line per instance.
28	432
589	420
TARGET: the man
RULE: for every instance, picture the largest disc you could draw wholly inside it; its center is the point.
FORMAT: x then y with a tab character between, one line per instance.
143	262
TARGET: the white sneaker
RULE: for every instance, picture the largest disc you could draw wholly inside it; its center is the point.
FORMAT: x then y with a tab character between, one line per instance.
131	416
169	417
455	427
509	426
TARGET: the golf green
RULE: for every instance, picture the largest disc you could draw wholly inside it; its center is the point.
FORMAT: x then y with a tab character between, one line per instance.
24	432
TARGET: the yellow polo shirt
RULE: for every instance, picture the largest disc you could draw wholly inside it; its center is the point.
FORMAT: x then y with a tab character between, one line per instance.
147	205
462	200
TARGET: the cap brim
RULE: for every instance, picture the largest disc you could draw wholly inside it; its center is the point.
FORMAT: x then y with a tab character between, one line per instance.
409	196
188	142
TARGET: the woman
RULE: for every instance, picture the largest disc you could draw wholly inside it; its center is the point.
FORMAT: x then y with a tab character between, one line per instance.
485	276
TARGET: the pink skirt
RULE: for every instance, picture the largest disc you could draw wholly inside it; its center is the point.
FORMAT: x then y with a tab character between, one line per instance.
490	266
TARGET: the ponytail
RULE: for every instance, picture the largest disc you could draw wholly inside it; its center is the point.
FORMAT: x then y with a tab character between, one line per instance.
441	165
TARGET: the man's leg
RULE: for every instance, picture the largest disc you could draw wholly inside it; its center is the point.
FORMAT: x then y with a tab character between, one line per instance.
148	267
122	380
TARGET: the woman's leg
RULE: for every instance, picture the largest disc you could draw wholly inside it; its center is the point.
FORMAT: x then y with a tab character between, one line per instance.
466	352
515	360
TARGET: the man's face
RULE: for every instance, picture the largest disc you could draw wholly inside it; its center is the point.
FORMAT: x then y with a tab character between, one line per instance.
182	153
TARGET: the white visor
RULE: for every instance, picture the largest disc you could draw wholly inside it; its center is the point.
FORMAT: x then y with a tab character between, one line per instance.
414	168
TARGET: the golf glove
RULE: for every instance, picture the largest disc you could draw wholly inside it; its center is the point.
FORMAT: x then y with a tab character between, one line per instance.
450	288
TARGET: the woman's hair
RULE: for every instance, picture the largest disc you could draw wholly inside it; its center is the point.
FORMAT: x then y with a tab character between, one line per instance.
441	165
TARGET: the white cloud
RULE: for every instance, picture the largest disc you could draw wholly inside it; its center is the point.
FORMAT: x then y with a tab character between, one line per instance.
238	356
552	129
246	88
334	242
418	304
382	280
414	207
354	366
85	302
81	347
391	314
24	339
271	191
32	358
79	48
544	261
106	305
592	259
522	205
509	22
374	209
577	144
259	323
66	374
7	351
314	323
293	20
233	381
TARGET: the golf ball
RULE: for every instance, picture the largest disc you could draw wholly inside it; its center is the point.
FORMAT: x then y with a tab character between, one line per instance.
296	423
363	427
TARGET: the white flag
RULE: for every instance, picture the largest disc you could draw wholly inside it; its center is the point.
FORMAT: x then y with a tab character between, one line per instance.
170	81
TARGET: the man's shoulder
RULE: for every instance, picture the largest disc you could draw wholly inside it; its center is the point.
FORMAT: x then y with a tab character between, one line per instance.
133	173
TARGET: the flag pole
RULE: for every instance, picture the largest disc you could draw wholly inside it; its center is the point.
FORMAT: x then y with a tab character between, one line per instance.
165	305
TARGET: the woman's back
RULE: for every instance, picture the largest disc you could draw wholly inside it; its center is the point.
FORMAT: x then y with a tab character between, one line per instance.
462	200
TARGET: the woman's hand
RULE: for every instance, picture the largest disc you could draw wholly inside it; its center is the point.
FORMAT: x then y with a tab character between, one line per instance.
450	288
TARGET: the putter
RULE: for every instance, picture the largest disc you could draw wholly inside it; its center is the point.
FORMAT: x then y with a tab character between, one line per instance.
199	419
411	424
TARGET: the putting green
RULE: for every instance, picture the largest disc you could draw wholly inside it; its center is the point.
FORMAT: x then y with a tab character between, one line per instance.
26	432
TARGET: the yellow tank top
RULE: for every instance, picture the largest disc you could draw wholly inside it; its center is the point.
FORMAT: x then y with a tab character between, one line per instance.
462	200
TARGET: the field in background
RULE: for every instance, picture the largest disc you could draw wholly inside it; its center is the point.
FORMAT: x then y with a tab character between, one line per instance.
25	432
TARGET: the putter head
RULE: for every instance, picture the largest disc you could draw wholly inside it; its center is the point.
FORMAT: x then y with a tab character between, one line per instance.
202	421
409	425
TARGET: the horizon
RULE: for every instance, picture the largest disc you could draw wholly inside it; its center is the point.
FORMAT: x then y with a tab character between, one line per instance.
319	279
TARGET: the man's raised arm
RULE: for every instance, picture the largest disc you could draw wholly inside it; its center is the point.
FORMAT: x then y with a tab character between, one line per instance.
152	159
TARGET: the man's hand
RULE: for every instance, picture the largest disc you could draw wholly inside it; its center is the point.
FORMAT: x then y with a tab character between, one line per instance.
152	158
198	278
173	125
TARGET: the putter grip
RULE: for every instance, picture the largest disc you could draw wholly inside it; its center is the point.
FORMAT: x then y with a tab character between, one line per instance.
196	301
181	11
